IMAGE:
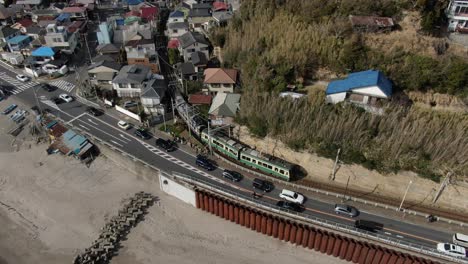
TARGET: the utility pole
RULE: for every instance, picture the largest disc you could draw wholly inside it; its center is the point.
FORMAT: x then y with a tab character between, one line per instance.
404	196
332	176
209	139
87	46
173	111
189	123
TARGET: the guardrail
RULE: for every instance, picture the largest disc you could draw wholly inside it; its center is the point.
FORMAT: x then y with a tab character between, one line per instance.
337	195
266	206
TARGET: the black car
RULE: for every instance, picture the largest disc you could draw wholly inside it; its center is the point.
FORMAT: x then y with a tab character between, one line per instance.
284	205
94	111
47	87
263	185
368	225
143	134
232	175
205	163
167	145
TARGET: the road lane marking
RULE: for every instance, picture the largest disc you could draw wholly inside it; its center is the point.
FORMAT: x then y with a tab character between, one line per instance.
388	233
76	118
125	137
399	236
91	121
84	127
415	236
116	143
104	132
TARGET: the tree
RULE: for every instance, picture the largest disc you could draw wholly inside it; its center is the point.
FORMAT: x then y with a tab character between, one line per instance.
174	56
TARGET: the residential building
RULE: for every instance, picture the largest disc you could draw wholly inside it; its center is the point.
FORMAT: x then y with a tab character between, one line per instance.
186	71
457	14
199	17
6	16
200	99
176	16
59	37
154	96
37	33
199	61
220	80
134	31
176	29
224	108
76	12
364	88
192	42
29	5
371	23
43	14
219	6
109	49
7	33
142	52
43	55
105	32
22	24
131	80
101	73
150	14
135	4
221	18
19	43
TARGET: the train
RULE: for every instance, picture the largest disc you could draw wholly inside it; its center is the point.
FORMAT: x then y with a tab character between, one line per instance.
238	151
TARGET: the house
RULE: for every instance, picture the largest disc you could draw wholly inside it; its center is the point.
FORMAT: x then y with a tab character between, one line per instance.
219	6
101	73
363	88
134	4
43	14
457	14
76	12
63	18
192	42
199	17
7	33
173	44
43	54
200	99
220	80
19	43
221	18
154	96
59	37
37	33
186	70
105	57
189	3
176	29
134	31
109	49
142	52
105	32
371	23
67	141
176	16
224	108
199	61
6	16
22	25
29	5
150	14
131	80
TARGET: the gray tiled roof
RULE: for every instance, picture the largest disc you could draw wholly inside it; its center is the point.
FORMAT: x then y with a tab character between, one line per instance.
189	38
199	58
109	64
177	25
155	88
135	73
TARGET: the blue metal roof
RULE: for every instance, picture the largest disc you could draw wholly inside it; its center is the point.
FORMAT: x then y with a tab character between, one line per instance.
18	39
360	80
134	2
43	51
74	141
63	17
177	13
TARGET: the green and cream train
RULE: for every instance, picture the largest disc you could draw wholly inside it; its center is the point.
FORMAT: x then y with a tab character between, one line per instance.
250	157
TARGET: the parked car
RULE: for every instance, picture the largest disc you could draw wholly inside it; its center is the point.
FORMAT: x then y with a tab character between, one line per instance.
346	210
165	144
460	239
285	205
232	175
368	225
129	104
47	87
124	125
94	111
65	97
9	109
292	196
143	134
451	249
262	185
205	163
22	78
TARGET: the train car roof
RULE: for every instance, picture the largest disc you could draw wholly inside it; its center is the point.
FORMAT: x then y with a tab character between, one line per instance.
272	159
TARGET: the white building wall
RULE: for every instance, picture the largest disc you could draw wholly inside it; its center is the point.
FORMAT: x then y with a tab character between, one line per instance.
335	98
371	91
177	190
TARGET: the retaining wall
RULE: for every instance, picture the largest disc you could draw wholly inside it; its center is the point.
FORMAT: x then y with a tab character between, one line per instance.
303	235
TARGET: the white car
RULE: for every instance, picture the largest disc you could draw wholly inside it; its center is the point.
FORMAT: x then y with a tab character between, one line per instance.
292	196
451	249
66	98
124	125
22	78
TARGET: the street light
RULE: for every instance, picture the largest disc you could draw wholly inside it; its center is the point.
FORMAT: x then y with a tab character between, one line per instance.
404	196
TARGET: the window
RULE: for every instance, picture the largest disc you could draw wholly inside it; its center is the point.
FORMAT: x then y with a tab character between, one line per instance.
281	171
215	85
122	85
132	85
276	169
174	31
57	40
246	158
226	85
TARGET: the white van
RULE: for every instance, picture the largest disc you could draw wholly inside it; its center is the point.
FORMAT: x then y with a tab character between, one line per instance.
460	239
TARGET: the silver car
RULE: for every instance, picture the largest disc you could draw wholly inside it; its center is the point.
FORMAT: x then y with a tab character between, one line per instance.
346	210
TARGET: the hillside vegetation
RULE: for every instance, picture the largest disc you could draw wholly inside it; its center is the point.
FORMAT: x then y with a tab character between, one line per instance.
276	42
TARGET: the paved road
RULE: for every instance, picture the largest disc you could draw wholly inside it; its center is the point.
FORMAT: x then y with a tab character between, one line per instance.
105	127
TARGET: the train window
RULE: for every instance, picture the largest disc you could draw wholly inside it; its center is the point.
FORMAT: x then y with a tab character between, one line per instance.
254	161
276	169
282	171
286	173
269	166
245	158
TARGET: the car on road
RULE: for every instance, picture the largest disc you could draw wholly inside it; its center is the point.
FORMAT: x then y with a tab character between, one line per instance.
285	205
205	163
346	210
124	125
262	185
94	111
451	249
165	144
22	78
47	87
143	134
65	97
232	175
460	239
292	196
368	225
129	104
9	109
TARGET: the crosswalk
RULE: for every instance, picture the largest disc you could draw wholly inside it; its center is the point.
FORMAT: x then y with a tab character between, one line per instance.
18	86
63	85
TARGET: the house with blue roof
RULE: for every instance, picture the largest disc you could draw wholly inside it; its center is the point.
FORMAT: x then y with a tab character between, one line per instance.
363	88
176	16
19	43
